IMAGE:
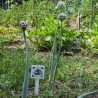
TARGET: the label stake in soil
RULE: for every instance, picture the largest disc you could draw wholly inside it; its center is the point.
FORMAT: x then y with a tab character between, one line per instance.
37	72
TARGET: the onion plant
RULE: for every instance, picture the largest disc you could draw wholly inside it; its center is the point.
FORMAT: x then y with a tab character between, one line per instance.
57	60
54	60
23	24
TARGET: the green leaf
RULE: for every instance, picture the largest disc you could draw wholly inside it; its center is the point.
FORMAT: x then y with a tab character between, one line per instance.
86	94
48	38
22	46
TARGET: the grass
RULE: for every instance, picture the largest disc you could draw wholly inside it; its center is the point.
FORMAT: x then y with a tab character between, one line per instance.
76	75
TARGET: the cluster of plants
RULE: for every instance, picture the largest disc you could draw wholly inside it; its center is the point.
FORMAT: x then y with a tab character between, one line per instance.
76	75
41	32
31	11
43	16
35	11
8	34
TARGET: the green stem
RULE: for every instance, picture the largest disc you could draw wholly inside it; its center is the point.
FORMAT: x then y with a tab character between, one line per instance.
54	48
52	56
52	53
57	60
26	78
92	14
2	4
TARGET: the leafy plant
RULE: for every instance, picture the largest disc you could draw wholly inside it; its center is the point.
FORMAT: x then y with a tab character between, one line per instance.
8	34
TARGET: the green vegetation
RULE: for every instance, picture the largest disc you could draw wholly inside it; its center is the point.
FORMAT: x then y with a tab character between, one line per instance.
73	74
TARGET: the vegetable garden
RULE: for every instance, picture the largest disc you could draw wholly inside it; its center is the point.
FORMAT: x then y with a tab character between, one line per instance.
61	35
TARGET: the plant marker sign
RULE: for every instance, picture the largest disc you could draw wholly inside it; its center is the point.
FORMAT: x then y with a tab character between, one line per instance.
37	72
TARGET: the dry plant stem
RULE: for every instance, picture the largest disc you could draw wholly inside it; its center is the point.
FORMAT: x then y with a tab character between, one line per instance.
57	60
26	78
